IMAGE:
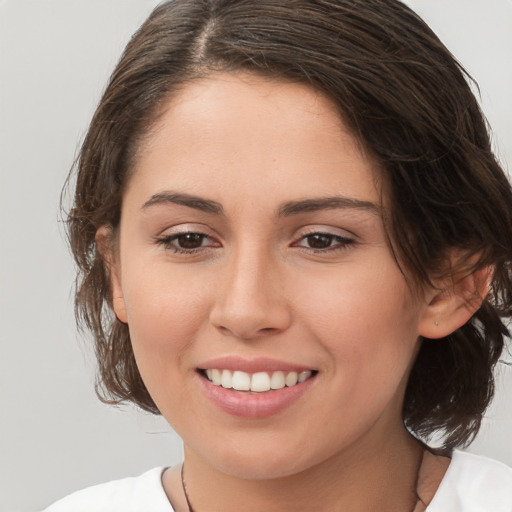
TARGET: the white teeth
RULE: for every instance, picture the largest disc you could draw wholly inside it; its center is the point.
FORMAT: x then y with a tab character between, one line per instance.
216	377
257	382
277	380
241	381
303	376
260	382
226	379
291	379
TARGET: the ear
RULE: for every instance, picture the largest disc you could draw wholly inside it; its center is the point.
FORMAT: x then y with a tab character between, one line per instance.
455	301
105	245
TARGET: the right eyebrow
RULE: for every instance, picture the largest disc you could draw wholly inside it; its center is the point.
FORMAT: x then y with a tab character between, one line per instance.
326	203
198	203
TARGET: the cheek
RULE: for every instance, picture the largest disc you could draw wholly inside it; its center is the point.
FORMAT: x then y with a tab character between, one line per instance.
165	309
364	320
361	298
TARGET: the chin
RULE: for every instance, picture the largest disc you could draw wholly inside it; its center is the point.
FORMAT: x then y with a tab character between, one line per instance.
265	463
250	469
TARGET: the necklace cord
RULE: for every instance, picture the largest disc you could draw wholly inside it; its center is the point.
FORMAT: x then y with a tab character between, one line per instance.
187	499
190	508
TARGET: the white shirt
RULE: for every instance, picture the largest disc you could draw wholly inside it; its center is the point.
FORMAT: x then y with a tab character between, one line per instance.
144	493
474	484
471	484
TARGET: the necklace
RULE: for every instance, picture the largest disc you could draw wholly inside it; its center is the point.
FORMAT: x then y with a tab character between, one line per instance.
420	504
187	499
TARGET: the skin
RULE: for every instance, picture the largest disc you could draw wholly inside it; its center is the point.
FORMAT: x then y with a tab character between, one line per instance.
255	286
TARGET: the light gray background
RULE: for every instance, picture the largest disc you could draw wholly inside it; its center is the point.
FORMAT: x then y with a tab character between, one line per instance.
55	56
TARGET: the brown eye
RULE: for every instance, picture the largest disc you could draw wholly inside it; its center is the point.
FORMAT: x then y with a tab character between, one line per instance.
319	241
186	243
190	240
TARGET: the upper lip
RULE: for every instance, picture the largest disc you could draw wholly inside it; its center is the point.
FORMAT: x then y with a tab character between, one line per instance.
253	365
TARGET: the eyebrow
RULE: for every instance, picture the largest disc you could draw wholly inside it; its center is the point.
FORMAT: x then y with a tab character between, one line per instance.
326	203
286	210
198	203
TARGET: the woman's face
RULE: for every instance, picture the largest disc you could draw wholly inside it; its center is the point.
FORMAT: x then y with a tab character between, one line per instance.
251	241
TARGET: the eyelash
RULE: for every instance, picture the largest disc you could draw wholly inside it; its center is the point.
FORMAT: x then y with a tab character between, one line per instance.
166	242
341	242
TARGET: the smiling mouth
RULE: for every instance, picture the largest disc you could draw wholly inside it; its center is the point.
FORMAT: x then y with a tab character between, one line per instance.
259	382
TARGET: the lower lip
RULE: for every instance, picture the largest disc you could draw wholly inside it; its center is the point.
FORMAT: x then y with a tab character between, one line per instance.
254	405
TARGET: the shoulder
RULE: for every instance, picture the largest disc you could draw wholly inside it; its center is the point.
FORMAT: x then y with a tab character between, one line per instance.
474	484
144	492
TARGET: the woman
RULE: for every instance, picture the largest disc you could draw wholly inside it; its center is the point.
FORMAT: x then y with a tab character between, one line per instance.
294	242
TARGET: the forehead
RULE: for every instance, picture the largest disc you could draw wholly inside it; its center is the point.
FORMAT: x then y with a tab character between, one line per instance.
237	129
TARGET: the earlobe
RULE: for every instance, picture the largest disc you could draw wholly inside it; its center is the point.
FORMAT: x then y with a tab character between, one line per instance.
119	309
104	243
454	303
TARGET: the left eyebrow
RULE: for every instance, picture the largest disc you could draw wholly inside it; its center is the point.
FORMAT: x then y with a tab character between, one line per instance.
326	203
198	203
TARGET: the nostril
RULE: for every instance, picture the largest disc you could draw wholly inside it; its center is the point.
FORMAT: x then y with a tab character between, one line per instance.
248	319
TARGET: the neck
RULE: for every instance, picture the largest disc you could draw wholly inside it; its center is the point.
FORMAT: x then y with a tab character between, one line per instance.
380	476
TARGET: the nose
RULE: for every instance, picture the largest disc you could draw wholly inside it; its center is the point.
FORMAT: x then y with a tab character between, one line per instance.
250	301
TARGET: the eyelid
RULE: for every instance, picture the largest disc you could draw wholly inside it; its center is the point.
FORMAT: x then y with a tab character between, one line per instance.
186	227
168	236
341	240
325	230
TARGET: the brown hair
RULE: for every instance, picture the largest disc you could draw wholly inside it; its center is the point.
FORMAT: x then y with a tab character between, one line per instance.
408	102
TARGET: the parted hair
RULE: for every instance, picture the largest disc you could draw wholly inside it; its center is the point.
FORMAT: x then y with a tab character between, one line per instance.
408	102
